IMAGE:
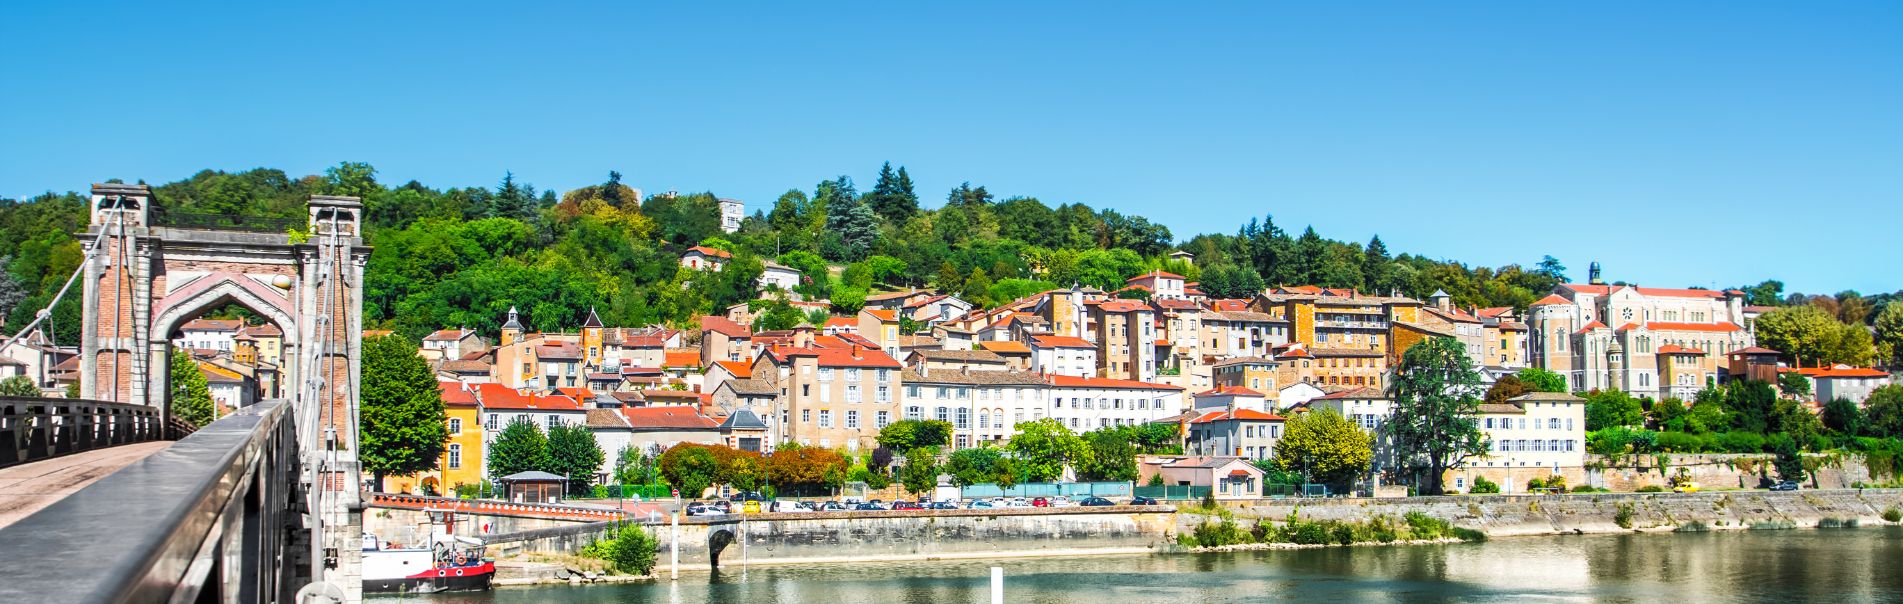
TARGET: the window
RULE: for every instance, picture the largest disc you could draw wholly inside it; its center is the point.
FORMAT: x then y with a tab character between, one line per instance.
455	425
455	456
885	394
915	412
852	375
852	419
825	374
553	421
885	375
1552	423
825	418
806	416
911	391
984	421
943	415
852	393
964	419
964	393
943	392
882	419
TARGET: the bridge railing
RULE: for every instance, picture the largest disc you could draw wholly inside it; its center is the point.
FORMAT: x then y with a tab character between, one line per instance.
211	518
32	429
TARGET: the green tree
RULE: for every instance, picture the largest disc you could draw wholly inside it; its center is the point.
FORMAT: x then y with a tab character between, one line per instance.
19	386
909	434
1113	457
1505	388
920	472
1751	404
574	454
520	447
1612	408
633	466
403	429
1793	384
979	465
1883	411
1326	447
854	228
1043	449
1541	380
1889	336
1813	337
191	395
1436	403
892	197
354	179
690	468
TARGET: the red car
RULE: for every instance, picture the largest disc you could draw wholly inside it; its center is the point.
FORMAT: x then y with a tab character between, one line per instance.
906	505
1040	503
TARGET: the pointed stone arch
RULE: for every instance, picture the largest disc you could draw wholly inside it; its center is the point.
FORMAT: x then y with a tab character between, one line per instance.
197	294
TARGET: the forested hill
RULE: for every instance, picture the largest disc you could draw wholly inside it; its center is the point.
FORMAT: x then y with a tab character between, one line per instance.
463	256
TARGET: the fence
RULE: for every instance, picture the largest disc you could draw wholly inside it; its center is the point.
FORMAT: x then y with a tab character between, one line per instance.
37	428
1047	489
230	222
1177	492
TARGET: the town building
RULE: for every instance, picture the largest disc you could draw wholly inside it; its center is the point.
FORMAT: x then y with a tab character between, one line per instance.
1245	433
983	406
1161	285
1063	355
1607	337
834	393
732	212
774	275
1529	436
450	344
703	258
1089	403
1125	334
1226	477
1841	381
217	335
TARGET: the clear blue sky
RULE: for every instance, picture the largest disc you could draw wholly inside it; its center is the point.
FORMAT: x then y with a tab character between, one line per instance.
1677	143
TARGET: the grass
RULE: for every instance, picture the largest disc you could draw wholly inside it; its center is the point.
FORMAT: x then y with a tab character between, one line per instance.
1773	525
1296	530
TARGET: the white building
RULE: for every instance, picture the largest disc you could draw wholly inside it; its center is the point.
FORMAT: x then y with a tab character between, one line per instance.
1063	355
1844	382
1162	285
983	406
779	275
732	211
1529	436
208	334
1089	403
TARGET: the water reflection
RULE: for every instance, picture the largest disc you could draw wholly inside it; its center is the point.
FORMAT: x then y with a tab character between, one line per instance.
1758	566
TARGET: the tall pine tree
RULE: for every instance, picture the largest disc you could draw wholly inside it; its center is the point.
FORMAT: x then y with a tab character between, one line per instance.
891	198
1374	270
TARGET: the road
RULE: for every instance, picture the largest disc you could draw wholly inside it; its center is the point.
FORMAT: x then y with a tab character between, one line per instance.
28	487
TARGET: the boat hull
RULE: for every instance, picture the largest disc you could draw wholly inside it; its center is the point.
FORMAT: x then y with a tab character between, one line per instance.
462	578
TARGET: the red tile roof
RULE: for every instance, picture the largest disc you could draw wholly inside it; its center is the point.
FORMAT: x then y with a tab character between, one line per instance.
1628	326
842	322
1061	342
1069	381
1843	371
1664	326
456	394
1552	299
1005	346
664	417
213	325
447	335
707	251
1676	349
1154	275
837	357
1123	306
883	314
1489	313
1646	291
1362	392
738	369
498	396
681	359
1591	326
1229	304
1238	414
724	326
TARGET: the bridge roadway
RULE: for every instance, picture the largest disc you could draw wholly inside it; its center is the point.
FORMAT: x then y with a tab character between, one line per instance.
29	487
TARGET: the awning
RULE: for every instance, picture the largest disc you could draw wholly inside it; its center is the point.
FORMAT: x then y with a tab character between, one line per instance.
1238	473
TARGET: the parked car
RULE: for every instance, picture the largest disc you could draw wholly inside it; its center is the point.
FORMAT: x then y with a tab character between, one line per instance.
1062	502
834	506
1091	502
1040	502
982	504
1786	485
703	509
942	505
1141	500
750	507
906	505
1018	502
790	506
747	496
872	506
726	507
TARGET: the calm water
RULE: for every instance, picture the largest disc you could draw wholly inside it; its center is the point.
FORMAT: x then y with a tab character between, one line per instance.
1842	565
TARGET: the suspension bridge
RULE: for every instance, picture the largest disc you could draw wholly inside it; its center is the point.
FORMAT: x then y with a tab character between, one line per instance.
114	499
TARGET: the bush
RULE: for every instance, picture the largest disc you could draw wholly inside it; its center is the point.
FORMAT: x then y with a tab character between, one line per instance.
1651	488
1679	442
1892	515
1423	526
634	551
1216	534
1589	489
1741	442
1468	535
1482	486
1623	517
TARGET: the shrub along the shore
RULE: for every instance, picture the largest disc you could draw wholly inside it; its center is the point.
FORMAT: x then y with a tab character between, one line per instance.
1415	526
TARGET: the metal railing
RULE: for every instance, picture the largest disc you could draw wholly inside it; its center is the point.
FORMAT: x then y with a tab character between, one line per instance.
212	518
230	222
32	429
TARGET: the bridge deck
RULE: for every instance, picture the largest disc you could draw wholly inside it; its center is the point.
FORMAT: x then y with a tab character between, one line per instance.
27	487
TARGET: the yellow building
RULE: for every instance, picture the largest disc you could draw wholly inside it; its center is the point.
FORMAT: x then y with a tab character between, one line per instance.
462	460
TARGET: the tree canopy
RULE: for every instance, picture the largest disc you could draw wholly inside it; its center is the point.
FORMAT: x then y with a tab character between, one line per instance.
403	426
1436	406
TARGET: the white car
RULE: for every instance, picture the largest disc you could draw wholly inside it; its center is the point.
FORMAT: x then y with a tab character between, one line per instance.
1061	502
702	509
791	506
1018	502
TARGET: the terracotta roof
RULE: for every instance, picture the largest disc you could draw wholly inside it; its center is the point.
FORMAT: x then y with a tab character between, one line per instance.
1663	326
1245	360
558	350
1237	415
1068	381
1646	291
1294	353
1362	392
681	359
837	357
1501	408
707	251
1175	304
1122	306
607	418
1591	326
448	335
1676	349
644	342
456	394
1229	304
724	326
1154	274
750	387
1753	350
262	331
1843	371
677	396
1242	315
883	314
1454	315
1627	327
981	356
1489	313
1061	342
1005	347
739	369
1229	391
1512	326
666	418
498	396
842	322
972	378
463	366
1552	299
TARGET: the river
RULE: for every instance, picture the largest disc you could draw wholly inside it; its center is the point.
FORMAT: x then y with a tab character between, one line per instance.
1835	565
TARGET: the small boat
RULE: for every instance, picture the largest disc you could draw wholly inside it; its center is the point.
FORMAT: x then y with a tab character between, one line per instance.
450	563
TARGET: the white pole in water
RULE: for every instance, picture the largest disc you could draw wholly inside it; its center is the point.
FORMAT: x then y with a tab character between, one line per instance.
674	545
997	585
